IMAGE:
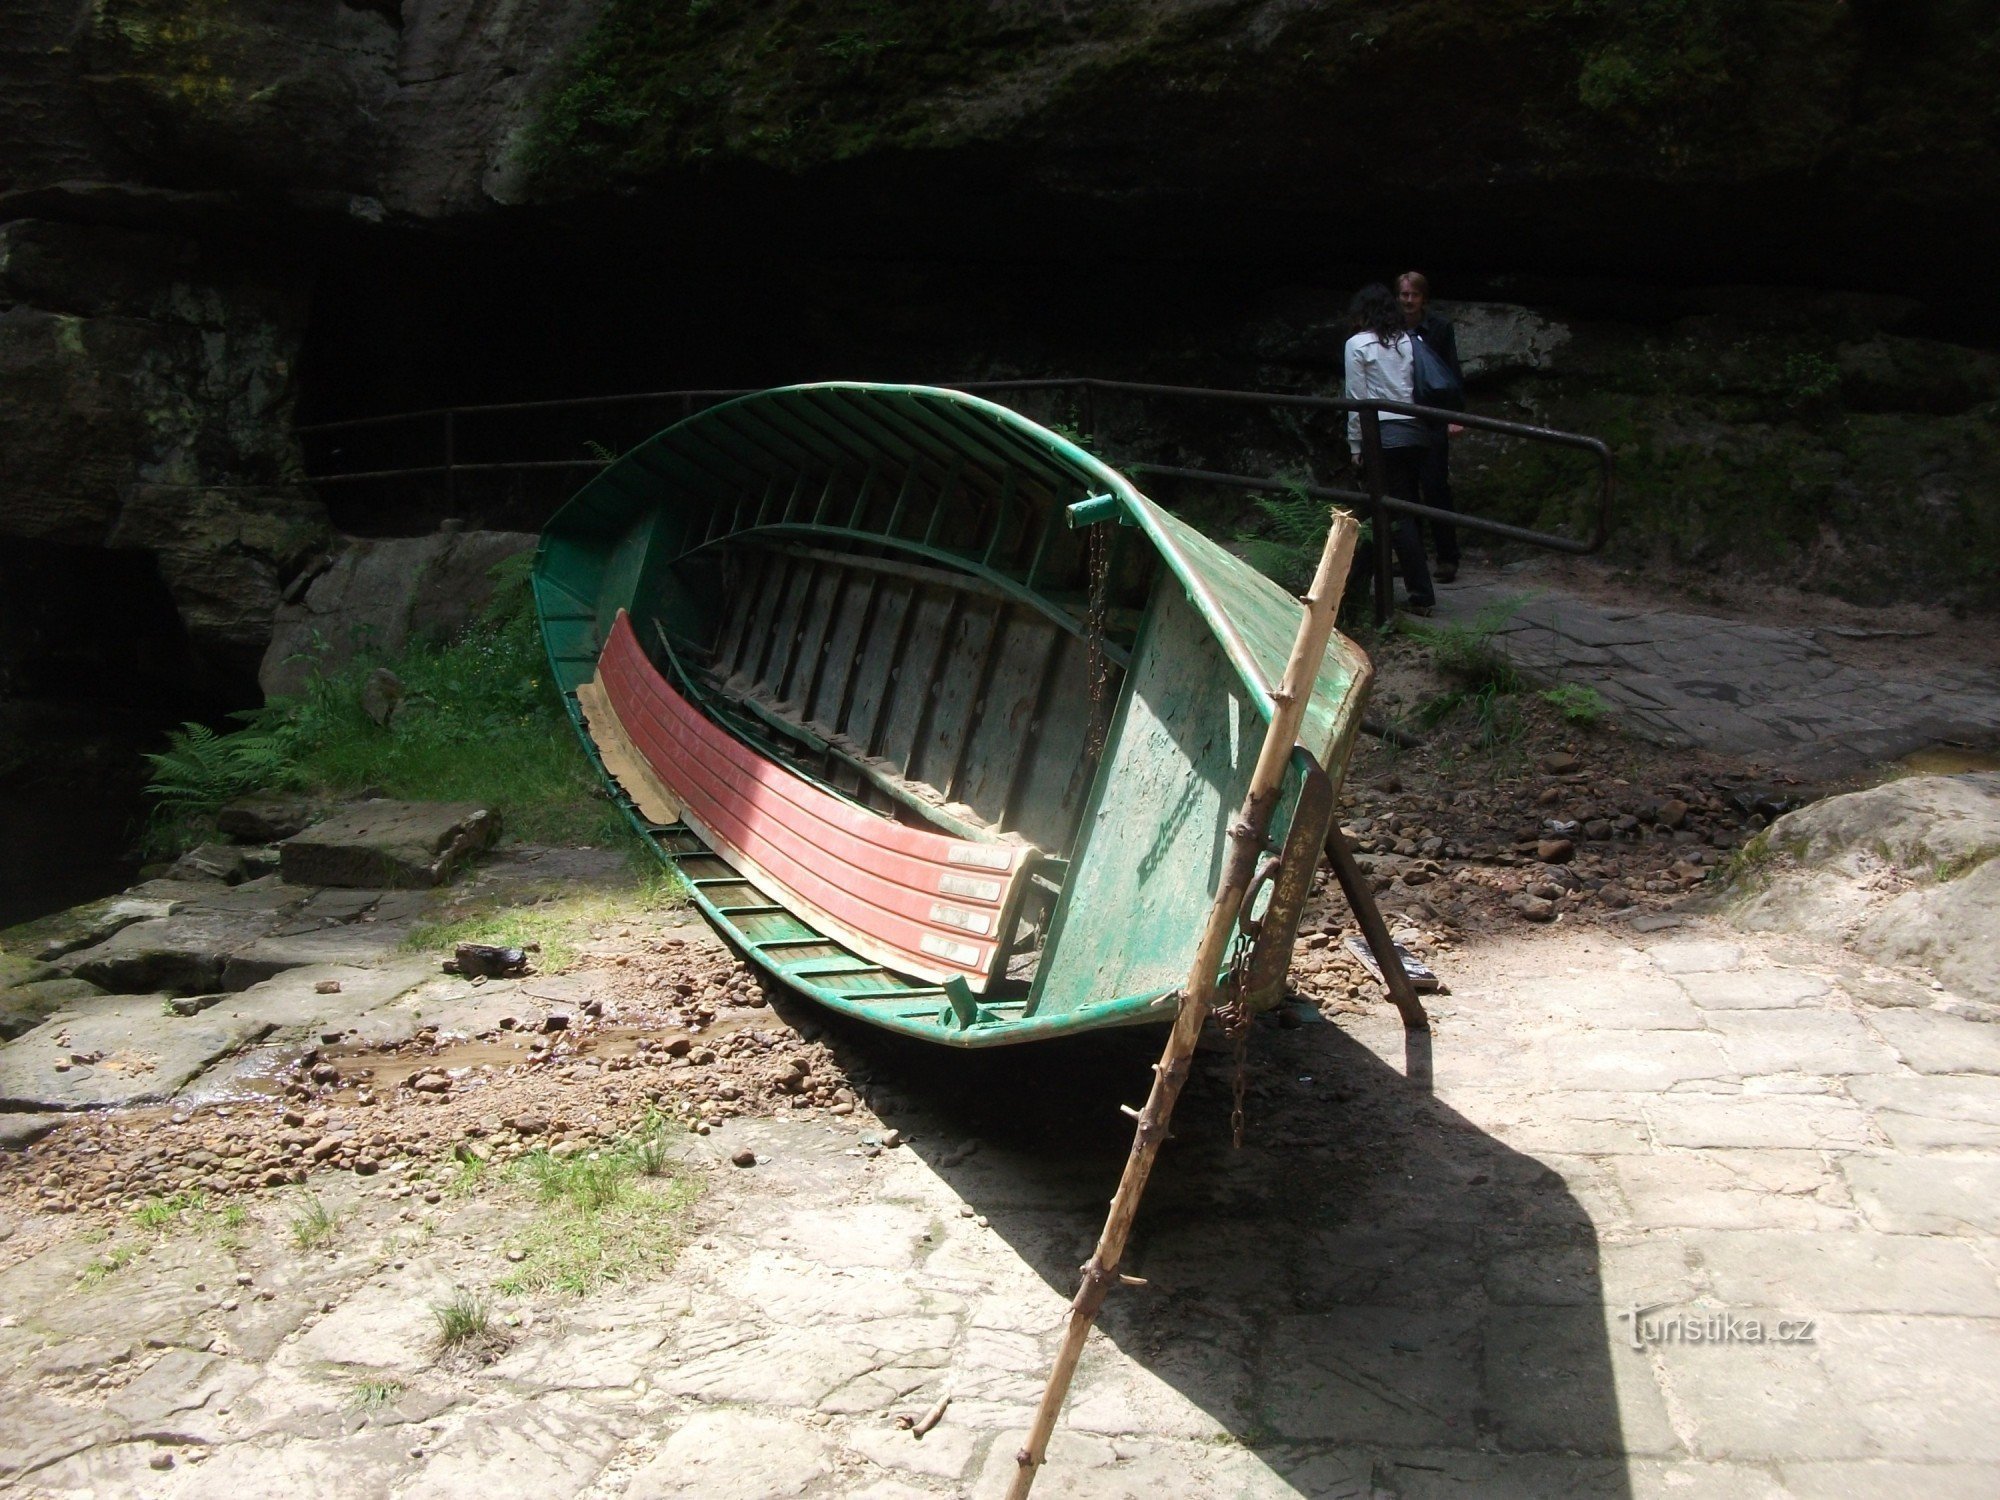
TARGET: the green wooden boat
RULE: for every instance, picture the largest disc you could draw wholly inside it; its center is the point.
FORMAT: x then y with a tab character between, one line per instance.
940	719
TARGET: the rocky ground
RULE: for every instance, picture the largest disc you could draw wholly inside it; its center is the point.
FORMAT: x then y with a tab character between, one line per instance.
634	1225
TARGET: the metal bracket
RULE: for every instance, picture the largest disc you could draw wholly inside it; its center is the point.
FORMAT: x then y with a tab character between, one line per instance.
1099	508
964	1006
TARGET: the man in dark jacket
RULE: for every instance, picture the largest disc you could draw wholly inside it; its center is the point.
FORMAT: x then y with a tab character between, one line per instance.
1413	291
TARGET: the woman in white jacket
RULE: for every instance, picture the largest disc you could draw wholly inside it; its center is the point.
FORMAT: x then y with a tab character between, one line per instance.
1381	367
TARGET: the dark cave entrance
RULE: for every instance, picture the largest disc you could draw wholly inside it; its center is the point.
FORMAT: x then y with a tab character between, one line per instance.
95	666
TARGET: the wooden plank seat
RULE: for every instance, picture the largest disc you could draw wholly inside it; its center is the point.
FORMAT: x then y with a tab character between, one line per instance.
917	901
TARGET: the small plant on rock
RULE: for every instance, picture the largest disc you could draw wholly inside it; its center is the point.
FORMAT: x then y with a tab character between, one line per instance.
599	1220
588	1183
462	1322
372	1395
1466	653
313	1225
1579	705
162	1214
651	1155
108	1264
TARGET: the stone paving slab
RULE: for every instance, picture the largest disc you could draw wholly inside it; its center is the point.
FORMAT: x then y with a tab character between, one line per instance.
1391	1291
1759	691
115	1050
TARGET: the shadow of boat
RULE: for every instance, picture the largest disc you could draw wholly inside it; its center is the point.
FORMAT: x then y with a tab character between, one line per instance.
1372	1297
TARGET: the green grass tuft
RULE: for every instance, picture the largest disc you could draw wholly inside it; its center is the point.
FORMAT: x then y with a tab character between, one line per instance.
480	721
1466	653
463	1320
1579	705
314	1225
604	1216
108	1264
372	1395
162	1214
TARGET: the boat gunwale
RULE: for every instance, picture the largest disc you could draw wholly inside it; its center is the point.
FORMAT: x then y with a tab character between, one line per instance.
617	496
1028	437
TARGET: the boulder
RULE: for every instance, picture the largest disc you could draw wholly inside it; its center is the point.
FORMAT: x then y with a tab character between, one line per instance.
183	954
381	695
1952	929
210	862
378	595
265	818
15	969
1498	338
77	927
1907	873
385	845
1928	826
26	1006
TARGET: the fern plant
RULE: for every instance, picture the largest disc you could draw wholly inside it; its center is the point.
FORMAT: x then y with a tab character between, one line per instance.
1294	533
200	769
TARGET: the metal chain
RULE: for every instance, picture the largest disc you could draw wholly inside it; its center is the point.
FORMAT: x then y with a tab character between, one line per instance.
1234	1017
1096	618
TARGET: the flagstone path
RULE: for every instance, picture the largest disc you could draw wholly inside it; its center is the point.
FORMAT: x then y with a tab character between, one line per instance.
1682	1213
1765	692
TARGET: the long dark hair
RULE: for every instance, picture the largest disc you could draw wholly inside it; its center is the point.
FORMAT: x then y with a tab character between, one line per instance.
1375	310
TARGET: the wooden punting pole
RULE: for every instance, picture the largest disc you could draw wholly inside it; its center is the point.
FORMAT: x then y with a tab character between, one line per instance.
1246	843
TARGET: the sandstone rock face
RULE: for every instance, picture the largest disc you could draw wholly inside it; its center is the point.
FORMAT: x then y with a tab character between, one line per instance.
411	108
177	174
1497	338
29	993
272	92
379	595
1952	929
150	319
145	401
1923	823
384	845
1907	872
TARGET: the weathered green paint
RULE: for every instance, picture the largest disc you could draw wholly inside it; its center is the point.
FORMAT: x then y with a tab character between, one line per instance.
972	680
1178	766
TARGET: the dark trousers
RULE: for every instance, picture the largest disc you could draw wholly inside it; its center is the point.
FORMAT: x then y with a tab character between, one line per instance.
1402	471
1434	485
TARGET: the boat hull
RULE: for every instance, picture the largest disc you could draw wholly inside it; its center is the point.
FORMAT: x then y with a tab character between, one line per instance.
934	613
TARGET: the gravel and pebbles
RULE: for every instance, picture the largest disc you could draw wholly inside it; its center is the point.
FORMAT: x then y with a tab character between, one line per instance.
1561	825
682	1029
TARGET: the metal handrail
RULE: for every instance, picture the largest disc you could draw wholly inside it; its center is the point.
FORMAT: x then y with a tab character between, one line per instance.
1381	505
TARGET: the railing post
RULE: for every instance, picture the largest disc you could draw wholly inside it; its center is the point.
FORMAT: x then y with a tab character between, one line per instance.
450	459
1378	513
1088	415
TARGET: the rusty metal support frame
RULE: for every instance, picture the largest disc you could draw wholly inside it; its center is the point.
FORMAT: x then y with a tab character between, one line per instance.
1361	901
1378	515
1086	390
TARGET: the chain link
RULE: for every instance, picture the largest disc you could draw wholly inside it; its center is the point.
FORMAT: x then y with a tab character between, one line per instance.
1233	1016
1096	618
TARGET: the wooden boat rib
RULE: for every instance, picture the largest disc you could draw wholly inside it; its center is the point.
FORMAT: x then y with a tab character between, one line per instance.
941	720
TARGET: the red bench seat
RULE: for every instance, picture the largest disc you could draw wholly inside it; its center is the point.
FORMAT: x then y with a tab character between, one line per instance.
917	901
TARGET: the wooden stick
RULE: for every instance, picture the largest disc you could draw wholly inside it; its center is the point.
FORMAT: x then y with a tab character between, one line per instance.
1361	901
932	1417
1246	843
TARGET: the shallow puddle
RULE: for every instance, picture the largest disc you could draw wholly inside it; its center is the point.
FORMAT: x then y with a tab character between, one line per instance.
264	1073
1949	760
